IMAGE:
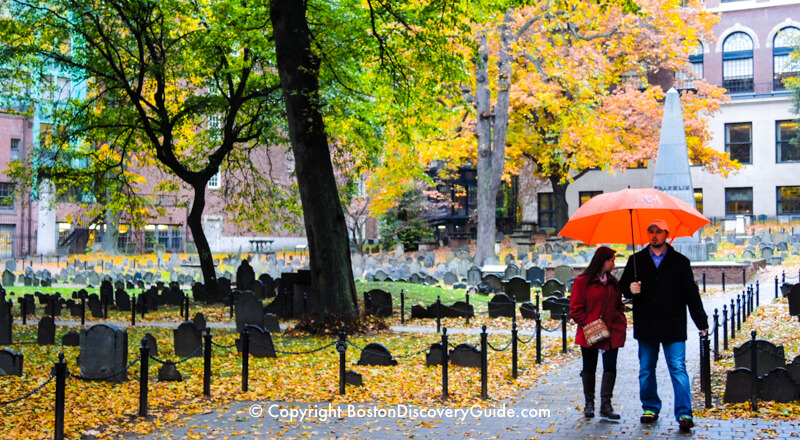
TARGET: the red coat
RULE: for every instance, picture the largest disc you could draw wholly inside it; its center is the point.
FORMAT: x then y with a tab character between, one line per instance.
585	304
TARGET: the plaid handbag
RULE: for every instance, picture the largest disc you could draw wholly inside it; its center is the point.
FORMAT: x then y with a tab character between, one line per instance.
597	330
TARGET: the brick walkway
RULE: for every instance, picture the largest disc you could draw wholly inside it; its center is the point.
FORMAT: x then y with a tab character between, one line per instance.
550	409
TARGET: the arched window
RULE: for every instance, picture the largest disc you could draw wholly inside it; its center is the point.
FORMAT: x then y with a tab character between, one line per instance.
686	81
782	64
737	63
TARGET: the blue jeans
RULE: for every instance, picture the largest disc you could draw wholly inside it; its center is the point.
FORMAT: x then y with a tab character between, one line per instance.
675	354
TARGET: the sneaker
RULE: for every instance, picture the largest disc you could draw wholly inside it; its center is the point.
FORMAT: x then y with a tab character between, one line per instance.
685	423
648	417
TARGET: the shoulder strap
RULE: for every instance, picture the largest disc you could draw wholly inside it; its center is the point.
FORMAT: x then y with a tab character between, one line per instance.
608	297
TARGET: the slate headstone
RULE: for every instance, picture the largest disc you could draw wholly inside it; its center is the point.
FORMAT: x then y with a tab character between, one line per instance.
501	305
375	353
10	363
738	385
248	310
466	355
244	276
768	356
553	287
71	339
778	386
261	345
46	334
434	356
378	302
104	352
169	373
188	340
518	288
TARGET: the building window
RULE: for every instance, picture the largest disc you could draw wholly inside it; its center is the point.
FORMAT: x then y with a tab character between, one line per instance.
737	63
169	236
738	201
547	210
7	241
14	149
213	182
782	64
788	199
738	142
698	199
685	80
584	196
122	238
786	149
6	195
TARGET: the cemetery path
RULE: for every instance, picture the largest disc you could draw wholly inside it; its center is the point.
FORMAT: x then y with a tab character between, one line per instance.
549	409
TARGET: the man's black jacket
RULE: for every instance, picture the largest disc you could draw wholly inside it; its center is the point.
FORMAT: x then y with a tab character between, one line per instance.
659	311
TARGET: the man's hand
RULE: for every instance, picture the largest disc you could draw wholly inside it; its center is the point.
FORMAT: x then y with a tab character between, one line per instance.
704	333
636	287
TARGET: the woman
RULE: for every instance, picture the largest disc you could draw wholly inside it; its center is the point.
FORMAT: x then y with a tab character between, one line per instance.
596	292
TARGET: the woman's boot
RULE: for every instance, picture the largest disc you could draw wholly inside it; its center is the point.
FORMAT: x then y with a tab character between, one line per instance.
606	392
588	393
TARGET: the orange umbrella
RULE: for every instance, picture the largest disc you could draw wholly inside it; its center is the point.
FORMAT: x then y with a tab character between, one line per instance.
623	217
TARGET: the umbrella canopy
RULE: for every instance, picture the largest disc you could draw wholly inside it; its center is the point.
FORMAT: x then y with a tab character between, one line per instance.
623	217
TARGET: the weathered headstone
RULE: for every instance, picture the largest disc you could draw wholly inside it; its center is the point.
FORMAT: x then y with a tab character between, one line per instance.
553	287
261	345
200	321
6	322
558	307
376	354
10	363
474	276
71	339
244	276
8	278
493	282
188	340
353	378
169	373
46	333
466	355
534	274
434	356
271	323
248	310
528	310
378	302
778	386
104	353
738	384
501	305
518	288
768	356
564	273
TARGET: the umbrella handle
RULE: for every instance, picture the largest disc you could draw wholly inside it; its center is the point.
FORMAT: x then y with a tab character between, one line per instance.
633	243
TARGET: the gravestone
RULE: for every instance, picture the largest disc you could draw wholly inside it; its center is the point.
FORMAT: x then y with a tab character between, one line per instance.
794	369
269	285
519	288
71	339
248	310
553	287
528	310
281	306
245	276
376	354
46	333
466	355
793	298
534	274
501	305
104	352
93	278
782	246
738	385
378	302
10	363
450	278
512	270
152	344
169	373
768	356
778	386
188	340
200	321
271	323
353	378
564	273
557	307
493	282
79	279
8	278
123	300
380	275
261	345
434	356
748	254
95	307
474	276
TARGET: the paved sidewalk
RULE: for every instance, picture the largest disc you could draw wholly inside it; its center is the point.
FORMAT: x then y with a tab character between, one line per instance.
550	409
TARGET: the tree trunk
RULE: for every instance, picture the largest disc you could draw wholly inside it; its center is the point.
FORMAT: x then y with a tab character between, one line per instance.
491	129
195	223
110	235
326	229
561	205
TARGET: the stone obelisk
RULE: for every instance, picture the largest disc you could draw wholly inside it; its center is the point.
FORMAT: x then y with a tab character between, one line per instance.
672	175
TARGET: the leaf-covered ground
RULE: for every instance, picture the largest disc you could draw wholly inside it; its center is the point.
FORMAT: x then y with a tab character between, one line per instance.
772	322
106	409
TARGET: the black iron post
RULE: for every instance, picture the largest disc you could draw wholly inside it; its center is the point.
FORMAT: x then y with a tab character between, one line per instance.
707	367
24	309
61	380
83	310
230	303
341	347
723	280
402	306
514	350
754	371
466	315
207	363
733	320
444	364
776	287
133	310
738	312
716	335
484	363
724	327
564	332
245	356
744	275
144	363
438	314
538	334
704	281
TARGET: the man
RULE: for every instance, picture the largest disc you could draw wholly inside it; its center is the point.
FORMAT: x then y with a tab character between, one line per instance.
661	289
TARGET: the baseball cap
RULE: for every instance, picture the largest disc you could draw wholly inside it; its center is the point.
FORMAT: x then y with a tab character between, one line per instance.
661	224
